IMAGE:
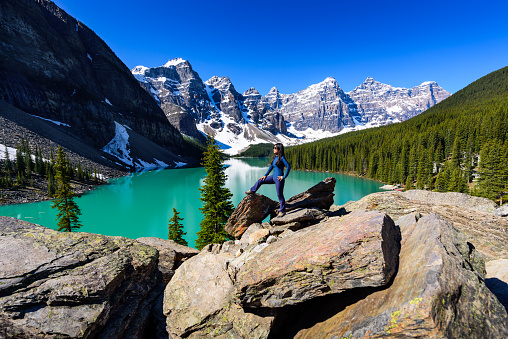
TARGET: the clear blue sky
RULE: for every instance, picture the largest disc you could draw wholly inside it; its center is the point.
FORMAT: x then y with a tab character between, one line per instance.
294	44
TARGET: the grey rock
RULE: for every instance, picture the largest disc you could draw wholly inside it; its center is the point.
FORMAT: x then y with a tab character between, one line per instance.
197	302
77	285
171	254
357	250
302	216
483	229
502	211
437	292
252	209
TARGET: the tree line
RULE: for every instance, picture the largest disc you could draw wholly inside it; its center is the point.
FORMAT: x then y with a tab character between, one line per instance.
29	164
459	145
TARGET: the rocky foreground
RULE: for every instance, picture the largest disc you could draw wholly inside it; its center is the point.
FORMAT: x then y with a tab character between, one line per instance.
393	264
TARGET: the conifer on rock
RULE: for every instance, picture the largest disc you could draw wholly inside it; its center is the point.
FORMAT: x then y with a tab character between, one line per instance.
175	229
216	198
68	210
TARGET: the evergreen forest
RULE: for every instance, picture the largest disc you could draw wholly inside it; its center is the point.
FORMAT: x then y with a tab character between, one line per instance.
29	167
460	145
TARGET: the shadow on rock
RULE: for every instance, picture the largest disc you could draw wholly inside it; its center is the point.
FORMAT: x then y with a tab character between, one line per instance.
291	320
500	290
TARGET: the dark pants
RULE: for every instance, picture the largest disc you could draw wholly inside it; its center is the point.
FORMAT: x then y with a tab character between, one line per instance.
279	187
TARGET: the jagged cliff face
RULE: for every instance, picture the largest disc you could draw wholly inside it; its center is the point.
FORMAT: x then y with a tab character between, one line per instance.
322	106
319	111
380	104
55	67
211	107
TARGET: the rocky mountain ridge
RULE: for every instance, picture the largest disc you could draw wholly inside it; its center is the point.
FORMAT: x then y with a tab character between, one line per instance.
238	120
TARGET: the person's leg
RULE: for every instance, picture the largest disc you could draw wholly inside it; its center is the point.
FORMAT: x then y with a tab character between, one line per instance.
268	180
279	186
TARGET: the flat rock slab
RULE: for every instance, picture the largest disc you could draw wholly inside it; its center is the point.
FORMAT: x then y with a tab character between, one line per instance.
358	250
71	284
197	302
252	209
452	198
438	292
301	215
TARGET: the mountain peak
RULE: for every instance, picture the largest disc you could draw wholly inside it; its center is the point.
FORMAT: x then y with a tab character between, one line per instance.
273	90
139	70
174	62
251	91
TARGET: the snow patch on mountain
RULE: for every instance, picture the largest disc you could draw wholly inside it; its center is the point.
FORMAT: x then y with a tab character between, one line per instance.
119	145
174	62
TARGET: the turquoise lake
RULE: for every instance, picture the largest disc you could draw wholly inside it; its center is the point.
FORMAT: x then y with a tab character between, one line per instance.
140	204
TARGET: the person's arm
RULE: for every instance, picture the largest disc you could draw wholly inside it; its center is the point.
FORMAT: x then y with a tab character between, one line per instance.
269	170
288	168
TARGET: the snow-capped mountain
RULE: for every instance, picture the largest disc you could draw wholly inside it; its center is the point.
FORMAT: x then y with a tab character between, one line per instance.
239	120
380	104
324	107
211	107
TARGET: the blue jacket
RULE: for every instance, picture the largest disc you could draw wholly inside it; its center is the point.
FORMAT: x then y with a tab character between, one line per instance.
277	170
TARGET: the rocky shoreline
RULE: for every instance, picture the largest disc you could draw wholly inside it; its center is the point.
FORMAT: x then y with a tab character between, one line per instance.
393	264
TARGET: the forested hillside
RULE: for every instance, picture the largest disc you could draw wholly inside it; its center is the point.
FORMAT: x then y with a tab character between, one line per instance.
459	145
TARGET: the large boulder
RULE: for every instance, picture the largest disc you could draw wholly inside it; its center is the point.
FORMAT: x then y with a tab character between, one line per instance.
438	292
318	196
73	285
171	255
483	229
357	250
252	209
197	302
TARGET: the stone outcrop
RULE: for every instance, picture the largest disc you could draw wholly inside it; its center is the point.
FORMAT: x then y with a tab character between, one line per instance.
485	230
197	302
252	209
438	292
319	196
341	253
75	285
171	255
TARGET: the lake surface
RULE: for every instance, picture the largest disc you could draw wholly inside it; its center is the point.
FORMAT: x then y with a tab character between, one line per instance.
140	204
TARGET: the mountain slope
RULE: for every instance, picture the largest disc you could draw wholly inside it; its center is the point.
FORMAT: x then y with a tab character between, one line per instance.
56	68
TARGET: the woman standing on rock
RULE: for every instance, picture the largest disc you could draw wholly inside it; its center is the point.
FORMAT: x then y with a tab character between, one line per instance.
277	163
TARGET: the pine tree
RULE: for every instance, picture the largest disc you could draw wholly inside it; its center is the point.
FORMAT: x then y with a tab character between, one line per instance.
216	198
68	210
175	229
493	176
